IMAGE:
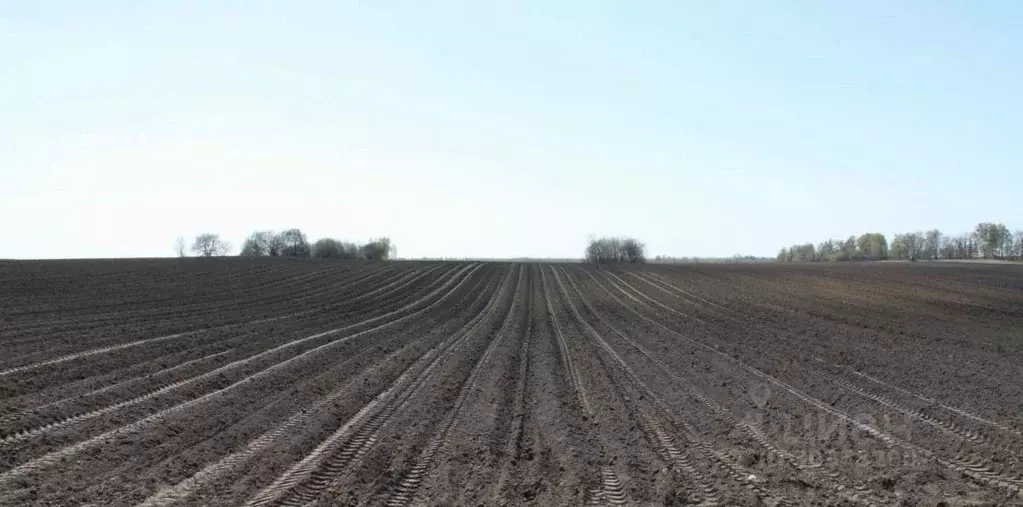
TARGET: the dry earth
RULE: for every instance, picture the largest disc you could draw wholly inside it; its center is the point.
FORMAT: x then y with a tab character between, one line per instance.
277	382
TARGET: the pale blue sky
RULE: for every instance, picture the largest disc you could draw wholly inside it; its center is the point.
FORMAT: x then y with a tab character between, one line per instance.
505	128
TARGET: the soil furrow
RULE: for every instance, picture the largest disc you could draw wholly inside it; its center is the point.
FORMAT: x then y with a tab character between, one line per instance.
312	475
54	457
282	381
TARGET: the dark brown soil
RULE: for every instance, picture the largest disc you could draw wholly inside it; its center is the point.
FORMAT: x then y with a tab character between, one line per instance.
277	382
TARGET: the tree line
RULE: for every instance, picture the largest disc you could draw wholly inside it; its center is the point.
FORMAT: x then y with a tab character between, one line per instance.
614	249
988	240
735	259
288	243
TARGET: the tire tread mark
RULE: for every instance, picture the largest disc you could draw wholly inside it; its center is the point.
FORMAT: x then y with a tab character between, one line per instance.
512	448
212	472
305	480
565	356
99	440
949	427
692	435
654	279
862	495
135	343
987	468
122	382
598	494
42	336
989	479
185	488
348	277
610	492
937	403
27	433
409	484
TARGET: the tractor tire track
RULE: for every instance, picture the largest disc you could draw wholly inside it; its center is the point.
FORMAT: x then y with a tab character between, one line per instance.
148	341
56	456
409	484
978	473
61	423
937	403
949	427
860	493
566	358
514	441
954	411
611	491
307	479
601	493
27	433
302	291
214	472
660	438
985	466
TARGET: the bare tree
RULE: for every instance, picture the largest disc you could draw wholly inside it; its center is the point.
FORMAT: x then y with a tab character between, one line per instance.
328	248
179	247
601	250
932	243
947	248
909	246
633	250
260	244
293	243
210	245
378	249
992	239
987	240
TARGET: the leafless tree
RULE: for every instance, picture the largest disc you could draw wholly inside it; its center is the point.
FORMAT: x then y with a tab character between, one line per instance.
179	247
988	240
210	245
378	249
633	251
946	249
328	248
260	244
293	243
932	243
992	239
908	246
603	250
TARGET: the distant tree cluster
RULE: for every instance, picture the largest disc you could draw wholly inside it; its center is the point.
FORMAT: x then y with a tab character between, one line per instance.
293	243
987	241
330	248
378	249
869	246
604	250
289	243
208	245
737	258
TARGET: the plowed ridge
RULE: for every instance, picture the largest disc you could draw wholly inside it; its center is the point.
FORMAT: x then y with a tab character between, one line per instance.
295	382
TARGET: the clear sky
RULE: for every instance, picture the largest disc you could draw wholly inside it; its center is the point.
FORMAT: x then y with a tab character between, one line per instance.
502	129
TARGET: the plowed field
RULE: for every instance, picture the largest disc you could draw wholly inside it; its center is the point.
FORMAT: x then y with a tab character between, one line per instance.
277	382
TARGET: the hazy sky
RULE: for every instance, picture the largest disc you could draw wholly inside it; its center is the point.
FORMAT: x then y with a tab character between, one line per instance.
505	128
